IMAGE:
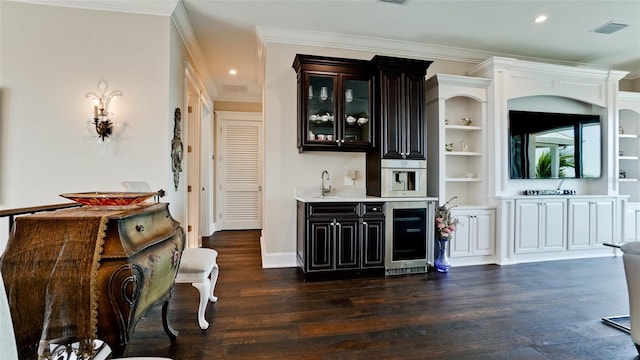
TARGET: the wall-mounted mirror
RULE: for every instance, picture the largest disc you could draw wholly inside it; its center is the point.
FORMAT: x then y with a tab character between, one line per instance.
554	145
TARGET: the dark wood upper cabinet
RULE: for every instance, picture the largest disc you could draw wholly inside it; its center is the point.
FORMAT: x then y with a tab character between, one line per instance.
399	99
335	104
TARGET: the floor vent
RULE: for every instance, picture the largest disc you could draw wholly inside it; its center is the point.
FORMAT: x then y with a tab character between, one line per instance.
408	270
609	28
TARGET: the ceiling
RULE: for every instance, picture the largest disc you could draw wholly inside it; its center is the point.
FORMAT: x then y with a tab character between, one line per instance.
229	33
226	30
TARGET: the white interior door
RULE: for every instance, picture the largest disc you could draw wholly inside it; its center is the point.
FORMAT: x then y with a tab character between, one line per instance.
239	173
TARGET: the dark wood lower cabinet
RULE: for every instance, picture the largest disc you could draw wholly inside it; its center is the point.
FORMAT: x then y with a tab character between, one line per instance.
340	240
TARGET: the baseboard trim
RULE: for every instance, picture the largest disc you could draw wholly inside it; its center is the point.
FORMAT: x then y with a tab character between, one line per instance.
277	260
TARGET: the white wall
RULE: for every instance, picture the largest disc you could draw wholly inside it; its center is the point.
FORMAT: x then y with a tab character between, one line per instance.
50	57
285	168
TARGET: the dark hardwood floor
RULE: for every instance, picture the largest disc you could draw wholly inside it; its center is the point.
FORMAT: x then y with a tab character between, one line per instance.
549	310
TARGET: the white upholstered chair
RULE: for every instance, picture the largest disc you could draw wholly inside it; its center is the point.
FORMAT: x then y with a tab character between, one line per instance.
8	345
631	260
198	266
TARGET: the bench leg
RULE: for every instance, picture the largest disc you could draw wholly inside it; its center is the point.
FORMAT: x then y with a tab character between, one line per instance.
214	280
203	289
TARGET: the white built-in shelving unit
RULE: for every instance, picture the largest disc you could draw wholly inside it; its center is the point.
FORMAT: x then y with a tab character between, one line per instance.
629	145
457	162
629	160
461	170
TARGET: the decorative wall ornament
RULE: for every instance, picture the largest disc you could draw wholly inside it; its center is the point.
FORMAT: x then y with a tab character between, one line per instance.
176	148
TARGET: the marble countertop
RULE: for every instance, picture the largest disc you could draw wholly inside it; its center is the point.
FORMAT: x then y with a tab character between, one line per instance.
308	195
309	199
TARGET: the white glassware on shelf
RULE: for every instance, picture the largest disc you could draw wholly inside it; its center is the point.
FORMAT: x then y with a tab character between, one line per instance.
362	120
348	95
324	93
464	146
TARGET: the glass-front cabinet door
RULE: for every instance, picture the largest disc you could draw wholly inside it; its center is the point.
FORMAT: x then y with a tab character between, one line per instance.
321	110
334	104
357	128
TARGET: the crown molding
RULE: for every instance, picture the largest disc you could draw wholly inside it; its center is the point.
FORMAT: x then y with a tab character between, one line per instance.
149	7
370	44
180	19
501	63
407	48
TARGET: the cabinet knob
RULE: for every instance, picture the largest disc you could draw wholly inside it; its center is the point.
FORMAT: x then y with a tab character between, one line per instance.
139	228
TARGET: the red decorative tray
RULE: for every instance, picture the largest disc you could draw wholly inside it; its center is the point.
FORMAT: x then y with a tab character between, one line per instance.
108	198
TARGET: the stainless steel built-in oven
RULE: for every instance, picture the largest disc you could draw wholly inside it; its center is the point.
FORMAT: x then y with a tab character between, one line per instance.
409	236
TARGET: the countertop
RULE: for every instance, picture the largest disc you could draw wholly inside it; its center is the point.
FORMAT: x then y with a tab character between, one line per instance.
355	198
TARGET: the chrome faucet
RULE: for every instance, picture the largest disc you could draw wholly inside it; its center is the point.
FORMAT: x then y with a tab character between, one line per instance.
559	185
324	190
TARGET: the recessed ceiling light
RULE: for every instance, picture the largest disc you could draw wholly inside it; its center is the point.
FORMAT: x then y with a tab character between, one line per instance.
541	18
232	72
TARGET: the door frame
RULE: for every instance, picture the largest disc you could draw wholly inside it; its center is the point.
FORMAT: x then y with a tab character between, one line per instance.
192	96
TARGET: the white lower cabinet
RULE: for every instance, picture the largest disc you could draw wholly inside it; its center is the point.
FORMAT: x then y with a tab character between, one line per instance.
474	235
591	222
540	225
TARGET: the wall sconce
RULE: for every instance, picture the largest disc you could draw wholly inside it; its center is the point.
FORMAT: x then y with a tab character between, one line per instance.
102	119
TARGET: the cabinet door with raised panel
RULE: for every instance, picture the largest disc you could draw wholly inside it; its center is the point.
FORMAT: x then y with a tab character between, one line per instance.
475	233
414	125
373	242
528	223
591	222
461	244
391	114
347	244
579	224
484	243
603	221
554	230
320	251
400	98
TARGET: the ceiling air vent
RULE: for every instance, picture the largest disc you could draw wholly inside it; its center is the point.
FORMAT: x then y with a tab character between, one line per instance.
234	88
609	28
394	1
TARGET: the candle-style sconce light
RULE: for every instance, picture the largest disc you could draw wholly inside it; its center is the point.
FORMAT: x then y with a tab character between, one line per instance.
102	119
